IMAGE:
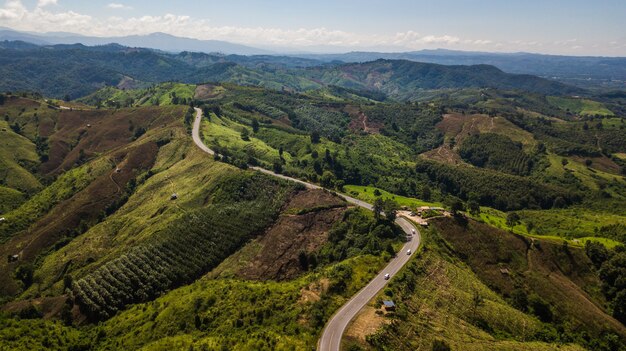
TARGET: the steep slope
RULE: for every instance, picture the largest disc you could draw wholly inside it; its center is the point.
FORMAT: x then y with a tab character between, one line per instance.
477	288
405	79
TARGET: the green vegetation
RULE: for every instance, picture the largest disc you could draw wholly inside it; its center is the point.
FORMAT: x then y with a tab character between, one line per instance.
583	107
116	213
441	301
497	152
370	194
185	249
18	161
158	95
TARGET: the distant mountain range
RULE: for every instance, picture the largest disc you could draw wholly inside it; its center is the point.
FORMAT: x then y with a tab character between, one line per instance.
157	41
78	70
587	72
566	68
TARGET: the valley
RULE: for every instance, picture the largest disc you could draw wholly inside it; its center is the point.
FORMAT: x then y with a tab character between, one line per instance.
153	200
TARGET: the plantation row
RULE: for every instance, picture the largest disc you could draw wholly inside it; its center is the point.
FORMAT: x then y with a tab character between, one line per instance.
328	123
502	191
182	252
497	152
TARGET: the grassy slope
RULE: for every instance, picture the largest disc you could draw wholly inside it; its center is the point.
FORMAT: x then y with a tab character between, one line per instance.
218	313
18	159
584	107
366	193
160	94
439	307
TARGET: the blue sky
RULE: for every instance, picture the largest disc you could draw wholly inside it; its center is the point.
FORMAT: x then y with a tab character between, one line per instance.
548	26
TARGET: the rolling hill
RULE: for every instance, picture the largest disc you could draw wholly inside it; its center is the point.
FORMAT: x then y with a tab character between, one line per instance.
77	70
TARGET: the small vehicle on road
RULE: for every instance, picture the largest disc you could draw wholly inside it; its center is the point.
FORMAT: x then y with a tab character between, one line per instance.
408	252
387	276
413	231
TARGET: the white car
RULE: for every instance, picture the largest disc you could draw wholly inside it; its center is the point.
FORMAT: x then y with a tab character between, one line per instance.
387	276
413	231
408	252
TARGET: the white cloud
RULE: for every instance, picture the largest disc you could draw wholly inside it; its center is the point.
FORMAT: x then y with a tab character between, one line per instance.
12	10
118	6
44	3
40	19
44	18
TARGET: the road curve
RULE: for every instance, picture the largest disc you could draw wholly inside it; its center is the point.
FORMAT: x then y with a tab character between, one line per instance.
333	332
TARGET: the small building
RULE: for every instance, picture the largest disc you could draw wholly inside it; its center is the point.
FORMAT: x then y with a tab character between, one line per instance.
118	170
505	271
389	306
88	125
174	196
13	258
2	219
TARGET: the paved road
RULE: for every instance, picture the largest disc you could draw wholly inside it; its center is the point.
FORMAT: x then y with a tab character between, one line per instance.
333	332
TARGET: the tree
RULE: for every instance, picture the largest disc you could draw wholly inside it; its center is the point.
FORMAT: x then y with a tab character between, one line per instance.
15	127
440	345
477	301
426	193
255	125
473	207
519	300
2	99
245	134
315	137
67	98
24	273
328	179
540	308
377	208
280	151
559	202
619	306
597	253
512	219
277	167
454	204
390	208
317	167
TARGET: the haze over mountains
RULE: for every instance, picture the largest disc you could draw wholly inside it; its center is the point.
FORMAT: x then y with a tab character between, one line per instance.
76	70
607	72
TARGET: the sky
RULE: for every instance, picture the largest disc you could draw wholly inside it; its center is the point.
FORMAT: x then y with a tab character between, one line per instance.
572	27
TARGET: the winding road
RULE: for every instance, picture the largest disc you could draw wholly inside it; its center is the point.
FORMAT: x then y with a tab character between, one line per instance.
333	332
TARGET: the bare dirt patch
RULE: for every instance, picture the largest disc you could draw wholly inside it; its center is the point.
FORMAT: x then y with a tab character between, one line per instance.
314	291
49	307
208	91
359	121
444	154
367	322
602	163
302	228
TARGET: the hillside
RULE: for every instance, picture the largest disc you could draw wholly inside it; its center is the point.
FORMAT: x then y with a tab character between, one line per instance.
476	288
77	70
108	259
405	79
